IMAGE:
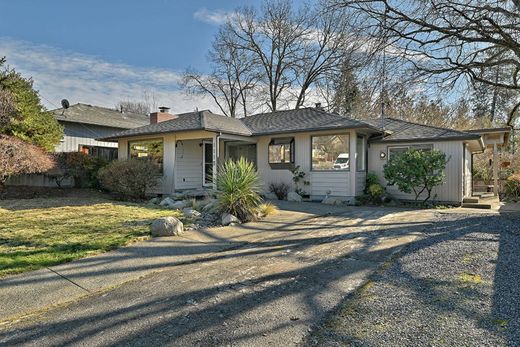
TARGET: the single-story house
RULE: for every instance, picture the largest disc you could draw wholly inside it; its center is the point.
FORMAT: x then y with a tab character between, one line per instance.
334	151
83	124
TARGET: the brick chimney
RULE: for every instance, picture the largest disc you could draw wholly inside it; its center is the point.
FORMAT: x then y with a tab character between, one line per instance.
161	116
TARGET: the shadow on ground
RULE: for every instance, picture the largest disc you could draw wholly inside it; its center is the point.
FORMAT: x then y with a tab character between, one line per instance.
262	291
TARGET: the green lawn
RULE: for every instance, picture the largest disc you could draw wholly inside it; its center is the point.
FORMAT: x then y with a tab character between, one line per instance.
36	233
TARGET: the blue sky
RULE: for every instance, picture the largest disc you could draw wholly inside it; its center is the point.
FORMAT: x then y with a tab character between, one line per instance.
100	52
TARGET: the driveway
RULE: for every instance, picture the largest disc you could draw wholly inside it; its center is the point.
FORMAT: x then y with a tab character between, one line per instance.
265	283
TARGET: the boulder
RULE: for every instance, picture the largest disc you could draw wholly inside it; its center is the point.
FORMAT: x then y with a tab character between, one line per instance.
167	202
189	212
229	219
330	200
293	196
166	226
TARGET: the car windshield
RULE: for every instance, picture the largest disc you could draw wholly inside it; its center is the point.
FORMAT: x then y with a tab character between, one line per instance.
341	160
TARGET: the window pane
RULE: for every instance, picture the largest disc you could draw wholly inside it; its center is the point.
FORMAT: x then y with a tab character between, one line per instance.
425	148
330	152
280	153
148	150
360	153
392	151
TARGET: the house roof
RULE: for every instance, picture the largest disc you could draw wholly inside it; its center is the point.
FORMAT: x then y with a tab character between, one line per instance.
300	120
397	130
96	115
199	120
279	122
304	119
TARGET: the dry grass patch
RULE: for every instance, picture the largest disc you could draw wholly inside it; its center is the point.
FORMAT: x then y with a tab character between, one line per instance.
36	233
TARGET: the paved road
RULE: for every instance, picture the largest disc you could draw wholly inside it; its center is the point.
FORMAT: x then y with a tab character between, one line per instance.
276	280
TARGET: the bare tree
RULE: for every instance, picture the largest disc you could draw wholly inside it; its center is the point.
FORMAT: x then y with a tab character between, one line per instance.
231	80
279	55
446	40
334	39
274	38
139	107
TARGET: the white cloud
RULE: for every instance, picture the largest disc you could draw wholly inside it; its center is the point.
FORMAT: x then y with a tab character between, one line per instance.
60	74
216	17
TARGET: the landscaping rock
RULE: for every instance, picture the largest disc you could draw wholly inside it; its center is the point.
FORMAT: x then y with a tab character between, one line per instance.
189	212
270	196
167	202
178	205
166	226
154	201
330	200
293	196
228	219
178	196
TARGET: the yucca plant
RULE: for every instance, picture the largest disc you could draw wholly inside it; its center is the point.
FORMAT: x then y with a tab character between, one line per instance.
238	188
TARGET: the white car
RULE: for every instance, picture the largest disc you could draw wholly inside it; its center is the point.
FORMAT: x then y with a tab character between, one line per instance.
342	162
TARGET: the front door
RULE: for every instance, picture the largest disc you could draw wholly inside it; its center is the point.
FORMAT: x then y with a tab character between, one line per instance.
207	163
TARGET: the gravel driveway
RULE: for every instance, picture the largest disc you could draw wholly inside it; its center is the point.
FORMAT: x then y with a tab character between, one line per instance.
457	286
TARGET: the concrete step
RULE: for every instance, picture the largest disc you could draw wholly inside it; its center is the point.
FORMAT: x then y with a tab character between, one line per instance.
477	205
484	194
471	200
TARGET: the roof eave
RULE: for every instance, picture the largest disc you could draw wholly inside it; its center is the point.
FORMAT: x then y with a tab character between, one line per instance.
98	124
116	138
431	139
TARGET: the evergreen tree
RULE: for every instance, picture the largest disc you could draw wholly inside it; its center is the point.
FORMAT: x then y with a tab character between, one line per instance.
346	91
31	122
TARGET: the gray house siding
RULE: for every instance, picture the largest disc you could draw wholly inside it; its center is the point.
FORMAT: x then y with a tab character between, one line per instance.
76	134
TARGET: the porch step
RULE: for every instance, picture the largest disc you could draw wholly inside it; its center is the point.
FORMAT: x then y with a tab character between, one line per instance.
471	200
477	205
484	194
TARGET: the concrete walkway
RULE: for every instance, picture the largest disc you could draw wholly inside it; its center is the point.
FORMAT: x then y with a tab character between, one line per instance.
253	284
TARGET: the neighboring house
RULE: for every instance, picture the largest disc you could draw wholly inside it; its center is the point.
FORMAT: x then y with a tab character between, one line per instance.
84	123
334	151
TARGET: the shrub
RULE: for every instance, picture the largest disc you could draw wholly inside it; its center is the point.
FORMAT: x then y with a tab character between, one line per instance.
416	171
18	157
80	166
267	209
129	179
512	186
371	179
238	188
194	204
280	190
376	191
299	179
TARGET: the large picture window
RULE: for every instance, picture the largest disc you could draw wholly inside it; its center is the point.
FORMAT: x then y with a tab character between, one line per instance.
281	151
330	152
148	150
